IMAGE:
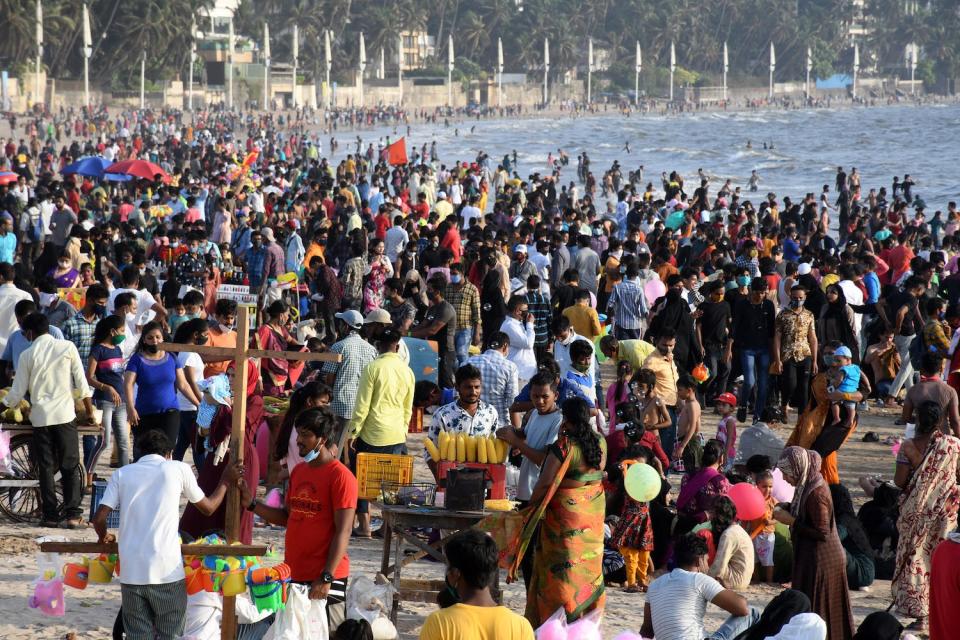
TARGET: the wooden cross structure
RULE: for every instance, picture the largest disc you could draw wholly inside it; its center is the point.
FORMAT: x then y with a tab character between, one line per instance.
239	354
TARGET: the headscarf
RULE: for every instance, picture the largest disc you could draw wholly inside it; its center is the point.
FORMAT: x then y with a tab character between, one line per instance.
805	626
879	625
778	612
803	465
845	515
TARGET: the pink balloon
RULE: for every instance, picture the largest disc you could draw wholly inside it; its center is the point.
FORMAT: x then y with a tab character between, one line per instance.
782	490
748	500
653	290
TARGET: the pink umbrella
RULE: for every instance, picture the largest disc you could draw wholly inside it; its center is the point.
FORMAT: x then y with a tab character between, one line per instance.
138	169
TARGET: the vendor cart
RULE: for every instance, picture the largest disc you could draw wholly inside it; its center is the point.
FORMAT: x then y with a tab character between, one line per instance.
20	490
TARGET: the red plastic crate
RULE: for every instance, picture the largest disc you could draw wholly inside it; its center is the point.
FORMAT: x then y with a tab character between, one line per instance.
416	421
495	472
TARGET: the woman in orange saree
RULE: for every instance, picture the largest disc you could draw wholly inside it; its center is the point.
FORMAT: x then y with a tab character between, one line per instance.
811	423
568	502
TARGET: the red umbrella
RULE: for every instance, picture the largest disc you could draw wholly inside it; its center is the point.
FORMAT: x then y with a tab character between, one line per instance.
138	169
8	177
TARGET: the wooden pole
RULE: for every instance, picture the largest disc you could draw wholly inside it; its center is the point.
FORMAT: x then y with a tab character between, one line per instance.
228	624
185	549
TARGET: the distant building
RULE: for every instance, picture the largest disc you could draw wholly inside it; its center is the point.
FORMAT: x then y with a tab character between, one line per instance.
418	48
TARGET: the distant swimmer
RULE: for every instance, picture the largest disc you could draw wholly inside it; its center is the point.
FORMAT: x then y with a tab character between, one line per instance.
749	145
473	128
626	147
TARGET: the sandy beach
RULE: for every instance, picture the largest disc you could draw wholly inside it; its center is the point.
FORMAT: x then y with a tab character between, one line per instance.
91	612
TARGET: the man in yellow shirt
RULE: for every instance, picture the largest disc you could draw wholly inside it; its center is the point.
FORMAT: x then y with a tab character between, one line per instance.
662	364
442	207
583	317
475	615
381	415
633	351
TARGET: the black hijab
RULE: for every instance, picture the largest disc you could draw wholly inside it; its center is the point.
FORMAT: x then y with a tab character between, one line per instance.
776	614
846	516
879	625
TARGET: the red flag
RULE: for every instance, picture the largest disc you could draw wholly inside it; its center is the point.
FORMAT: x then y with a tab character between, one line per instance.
397	152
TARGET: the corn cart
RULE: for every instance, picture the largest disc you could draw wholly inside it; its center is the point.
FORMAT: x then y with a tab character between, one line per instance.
20	490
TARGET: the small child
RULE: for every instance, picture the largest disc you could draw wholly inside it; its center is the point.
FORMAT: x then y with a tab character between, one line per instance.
633	534
689	446
619	392
762	530
845	378
726	404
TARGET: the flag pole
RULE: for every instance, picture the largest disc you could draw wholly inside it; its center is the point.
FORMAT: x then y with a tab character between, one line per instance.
636	76
296	59
38	95
546	71
87	51
589	70
266	66
363	65
450	63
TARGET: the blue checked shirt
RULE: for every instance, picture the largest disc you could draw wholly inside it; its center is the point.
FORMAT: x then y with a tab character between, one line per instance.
80	332
539	306
357	353
628	304
500	382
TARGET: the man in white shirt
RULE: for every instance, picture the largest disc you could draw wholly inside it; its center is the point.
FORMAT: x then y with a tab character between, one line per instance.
9	297
677	601
395	240
50	370
566	335
471	212
147	493
519	329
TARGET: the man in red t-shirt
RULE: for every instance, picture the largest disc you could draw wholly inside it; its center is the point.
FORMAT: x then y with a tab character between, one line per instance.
321	502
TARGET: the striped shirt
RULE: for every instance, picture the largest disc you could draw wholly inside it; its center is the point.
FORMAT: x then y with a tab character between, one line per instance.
628	304
539	307
80	332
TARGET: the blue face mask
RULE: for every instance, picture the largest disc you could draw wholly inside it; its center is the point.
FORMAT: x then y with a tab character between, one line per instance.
312	455
828	359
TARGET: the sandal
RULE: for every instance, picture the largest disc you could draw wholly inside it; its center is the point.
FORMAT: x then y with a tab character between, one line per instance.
918	625
76	523
635	588
357	534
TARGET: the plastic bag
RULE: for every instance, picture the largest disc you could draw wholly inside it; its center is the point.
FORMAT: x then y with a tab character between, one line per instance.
6	460
204	613
368	601
554	627
301	618
586	628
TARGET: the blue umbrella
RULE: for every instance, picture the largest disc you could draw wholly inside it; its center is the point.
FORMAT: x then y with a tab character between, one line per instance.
117	177
92	166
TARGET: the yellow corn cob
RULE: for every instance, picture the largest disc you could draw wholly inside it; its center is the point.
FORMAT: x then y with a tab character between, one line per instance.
471	449
493	451
432	449
444	439
461	447
481	446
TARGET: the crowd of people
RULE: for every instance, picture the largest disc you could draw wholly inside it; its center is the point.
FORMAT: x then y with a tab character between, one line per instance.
705	299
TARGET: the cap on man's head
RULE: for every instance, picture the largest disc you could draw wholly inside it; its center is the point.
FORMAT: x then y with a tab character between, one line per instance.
351	317
520	248
267	233
378	316
804	268
843	351
442	195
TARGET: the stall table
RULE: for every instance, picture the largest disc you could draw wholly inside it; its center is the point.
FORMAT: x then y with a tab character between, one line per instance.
399	525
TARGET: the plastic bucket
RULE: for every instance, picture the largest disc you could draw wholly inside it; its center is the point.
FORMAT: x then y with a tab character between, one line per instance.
194	578
233	583
210	580
75	575
267	596
101	571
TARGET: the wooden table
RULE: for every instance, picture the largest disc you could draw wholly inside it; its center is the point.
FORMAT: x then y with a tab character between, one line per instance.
399	523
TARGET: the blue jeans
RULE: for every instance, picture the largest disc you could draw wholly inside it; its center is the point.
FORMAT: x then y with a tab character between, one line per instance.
462	339
186	439
735	625
114	422
755	364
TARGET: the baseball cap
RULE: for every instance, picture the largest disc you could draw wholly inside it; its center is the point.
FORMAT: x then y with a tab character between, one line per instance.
378	316
520	248
442	195
351	317
293	224
803	268
727	398
843	351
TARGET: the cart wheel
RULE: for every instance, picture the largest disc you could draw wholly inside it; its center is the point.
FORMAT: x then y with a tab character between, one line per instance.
22	504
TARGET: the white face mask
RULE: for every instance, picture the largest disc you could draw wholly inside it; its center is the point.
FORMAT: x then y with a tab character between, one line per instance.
569	339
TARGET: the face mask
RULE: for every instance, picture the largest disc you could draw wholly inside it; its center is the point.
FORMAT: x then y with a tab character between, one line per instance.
455	279
828	359
796	304
567	340
143	271
64	265
151	348
130	317
743	281
582	368
118	340
47	299
175	244
194	250
204	340
100	309
312	454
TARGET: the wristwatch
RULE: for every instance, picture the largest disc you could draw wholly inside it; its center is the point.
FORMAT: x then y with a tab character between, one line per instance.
253	505
326	577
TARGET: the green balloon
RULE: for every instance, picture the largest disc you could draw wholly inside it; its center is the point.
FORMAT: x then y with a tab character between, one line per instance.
642	482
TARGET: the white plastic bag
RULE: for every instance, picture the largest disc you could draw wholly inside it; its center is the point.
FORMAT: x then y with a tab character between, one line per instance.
204	613
301	618
368	601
